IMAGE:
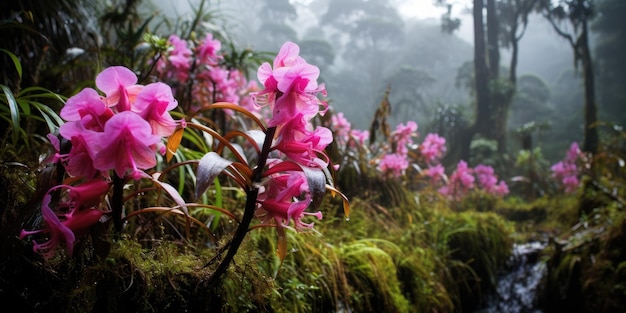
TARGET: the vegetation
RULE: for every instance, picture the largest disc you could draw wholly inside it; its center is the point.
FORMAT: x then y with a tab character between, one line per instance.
211	208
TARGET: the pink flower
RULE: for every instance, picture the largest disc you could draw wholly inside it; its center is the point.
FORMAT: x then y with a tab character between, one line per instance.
463	174
433	147
302	145
393	164
125	145
180	58
290	86
342	127
567	171
82	153
288	56
89	108
119	85
436	172
360	135
207	50
153	103
573	154
571	183
402	136
461	181
285	198
486	178
501	189
87	194
75	223
284	212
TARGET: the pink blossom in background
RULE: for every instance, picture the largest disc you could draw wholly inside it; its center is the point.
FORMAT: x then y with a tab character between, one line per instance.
403	136
394	164
460	182
571	183
207	51
436	172
342	127
488	181
433	147
360	136
180	58
486	177
463	174
573	153
501	189
566	172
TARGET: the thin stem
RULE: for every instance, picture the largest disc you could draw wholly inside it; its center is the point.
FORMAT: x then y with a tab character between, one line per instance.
117	201
248	213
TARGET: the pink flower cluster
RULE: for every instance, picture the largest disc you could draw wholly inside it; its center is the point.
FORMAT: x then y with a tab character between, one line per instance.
290	91
120	131
433	148
397	162
345	135
566	172
70	218
212	82
463	179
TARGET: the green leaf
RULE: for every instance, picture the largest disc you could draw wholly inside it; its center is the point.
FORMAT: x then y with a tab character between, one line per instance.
24	105
16	62
15	113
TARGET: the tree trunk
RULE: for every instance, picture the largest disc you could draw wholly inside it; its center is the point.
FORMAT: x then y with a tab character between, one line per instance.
590	142
493	28
481	123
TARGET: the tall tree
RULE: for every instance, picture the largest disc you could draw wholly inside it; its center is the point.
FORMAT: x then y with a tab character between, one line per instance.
503	26
610	49
578	14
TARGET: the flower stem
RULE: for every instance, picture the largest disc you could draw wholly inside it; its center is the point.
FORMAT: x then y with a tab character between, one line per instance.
117	201
248	213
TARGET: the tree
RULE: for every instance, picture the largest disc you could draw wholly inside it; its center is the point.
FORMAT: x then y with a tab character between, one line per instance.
578	13
610	49
503	26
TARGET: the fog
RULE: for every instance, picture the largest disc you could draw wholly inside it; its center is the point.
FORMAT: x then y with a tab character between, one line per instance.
363	49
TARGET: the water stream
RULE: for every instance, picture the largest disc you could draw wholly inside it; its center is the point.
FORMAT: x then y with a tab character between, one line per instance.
516	289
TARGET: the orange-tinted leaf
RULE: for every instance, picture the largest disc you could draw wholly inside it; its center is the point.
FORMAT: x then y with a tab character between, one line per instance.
346	202
173	142
281	249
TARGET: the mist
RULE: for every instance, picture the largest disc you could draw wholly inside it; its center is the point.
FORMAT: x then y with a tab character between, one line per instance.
363	49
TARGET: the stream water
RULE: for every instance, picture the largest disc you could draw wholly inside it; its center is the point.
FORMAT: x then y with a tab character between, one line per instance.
516	289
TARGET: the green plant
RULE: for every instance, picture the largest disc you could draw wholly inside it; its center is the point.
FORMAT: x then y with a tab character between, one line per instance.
26	111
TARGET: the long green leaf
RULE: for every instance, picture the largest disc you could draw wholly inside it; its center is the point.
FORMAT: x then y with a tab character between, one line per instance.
15	113
46	110
16	62
24	105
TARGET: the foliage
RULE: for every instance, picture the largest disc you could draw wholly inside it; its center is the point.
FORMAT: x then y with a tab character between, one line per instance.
404	247
25	111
